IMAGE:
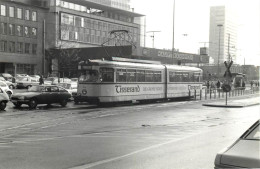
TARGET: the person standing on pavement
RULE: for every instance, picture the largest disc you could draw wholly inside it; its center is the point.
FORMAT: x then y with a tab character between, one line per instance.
41	80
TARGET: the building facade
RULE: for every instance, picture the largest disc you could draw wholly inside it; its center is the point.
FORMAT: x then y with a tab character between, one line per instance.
30	28
20	37
223	34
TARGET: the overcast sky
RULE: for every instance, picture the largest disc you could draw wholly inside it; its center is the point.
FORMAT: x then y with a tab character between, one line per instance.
192	18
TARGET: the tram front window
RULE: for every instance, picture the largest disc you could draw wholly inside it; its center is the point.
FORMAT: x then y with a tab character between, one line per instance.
89	76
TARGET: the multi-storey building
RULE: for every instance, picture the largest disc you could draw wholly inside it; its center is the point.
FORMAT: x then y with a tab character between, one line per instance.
20	37
222	34
36	26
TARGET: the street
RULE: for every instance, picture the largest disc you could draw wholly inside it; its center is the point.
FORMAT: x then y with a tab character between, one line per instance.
181	134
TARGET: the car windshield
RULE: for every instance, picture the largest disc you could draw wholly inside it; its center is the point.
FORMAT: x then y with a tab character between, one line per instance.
35	89
2	84
255	134
89	76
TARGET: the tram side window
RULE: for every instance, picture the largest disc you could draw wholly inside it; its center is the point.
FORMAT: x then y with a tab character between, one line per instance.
107	74
197	77
121	75
185	77
191	75
172	76
157	76
149	76
178	77
140	75
131	75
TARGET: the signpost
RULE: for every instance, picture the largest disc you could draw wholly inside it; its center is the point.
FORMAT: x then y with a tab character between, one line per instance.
227	86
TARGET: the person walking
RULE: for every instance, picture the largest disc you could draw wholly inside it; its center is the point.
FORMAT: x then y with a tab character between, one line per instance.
218	84
41	80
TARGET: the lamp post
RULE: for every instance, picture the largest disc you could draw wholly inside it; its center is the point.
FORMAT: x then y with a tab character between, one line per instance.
219	25
173	14
153	35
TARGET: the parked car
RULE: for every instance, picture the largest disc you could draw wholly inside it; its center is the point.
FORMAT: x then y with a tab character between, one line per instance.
72	87
10	84
244	153
22	75
7	76
3	99
74	80
26	82
41	94
55	80
6	88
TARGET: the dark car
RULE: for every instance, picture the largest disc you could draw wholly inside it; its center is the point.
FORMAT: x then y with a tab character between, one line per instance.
42	94
244	153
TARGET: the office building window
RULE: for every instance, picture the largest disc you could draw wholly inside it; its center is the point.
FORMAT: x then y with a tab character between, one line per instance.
76	36
34	32
19	30
11	47
27	48
19	13
11	29
64	34
27	15
26	31
19	47
3	10
3	27
34	49
67	19
3	46
11	11
78	22
34	16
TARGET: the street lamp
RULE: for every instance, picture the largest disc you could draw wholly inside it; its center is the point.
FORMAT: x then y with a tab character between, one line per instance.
153	35
219	25
173	17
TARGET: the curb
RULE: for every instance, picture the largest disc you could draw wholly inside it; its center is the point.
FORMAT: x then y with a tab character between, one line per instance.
230	106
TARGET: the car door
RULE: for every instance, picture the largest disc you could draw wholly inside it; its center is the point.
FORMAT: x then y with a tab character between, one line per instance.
54	94
45	95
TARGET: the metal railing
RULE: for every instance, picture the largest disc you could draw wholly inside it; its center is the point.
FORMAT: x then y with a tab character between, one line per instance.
218	93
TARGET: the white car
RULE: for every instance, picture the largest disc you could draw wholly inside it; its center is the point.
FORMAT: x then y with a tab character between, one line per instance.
6	88
10	84
3	99
27	82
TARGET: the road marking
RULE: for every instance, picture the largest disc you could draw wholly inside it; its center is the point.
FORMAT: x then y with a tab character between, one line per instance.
90	165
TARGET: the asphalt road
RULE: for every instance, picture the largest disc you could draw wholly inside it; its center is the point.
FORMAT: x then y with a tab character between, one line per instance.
167	135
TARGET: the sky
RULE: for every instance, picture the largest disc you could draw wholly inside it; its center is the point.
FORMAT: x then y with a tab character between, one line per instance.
191	25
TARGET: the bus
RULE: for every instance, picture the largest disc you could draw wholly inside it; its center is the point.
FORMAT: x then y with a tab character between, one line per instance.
108	81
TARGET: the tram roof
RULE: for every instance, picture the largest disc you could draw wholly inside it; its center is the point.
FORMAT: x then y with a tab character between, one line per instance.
142	65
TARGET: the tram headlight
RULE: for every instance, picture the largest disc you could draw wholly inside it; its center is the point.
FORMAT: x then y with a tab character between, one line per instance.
84	91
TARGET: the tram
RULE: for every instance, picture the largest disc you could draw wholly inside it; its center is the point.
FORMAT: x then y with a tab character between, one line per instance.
108	81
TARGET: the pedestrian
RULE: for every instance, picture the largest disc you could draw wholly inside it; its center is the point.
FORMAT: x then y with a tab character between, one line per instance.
41	80
218	84
243	84
251	83
207	84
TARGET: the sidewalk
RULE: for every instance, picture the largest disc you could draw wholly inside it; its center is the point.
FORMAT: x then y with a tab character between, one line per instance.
239	102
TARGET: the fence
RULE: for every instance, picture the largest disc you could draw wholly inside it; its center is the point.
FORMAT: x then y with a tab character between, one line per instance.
218	93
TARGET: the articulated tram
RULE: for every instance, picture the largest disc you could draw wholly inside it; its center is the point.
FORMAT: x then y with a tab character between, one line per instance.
103	81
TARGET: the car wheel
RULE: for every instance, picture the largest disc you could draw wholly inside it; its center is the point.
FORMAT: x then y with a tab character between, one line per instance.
63	103
2	105
11	87
17	105
32	103
28	87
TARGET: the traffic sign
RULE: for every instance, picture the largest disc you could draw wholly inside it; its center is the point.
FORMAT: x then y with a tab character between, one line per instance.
228	72
226	87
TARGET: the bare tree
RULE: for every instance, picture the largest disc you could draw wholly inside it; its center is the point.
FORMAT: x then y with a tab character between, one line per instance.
64	54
